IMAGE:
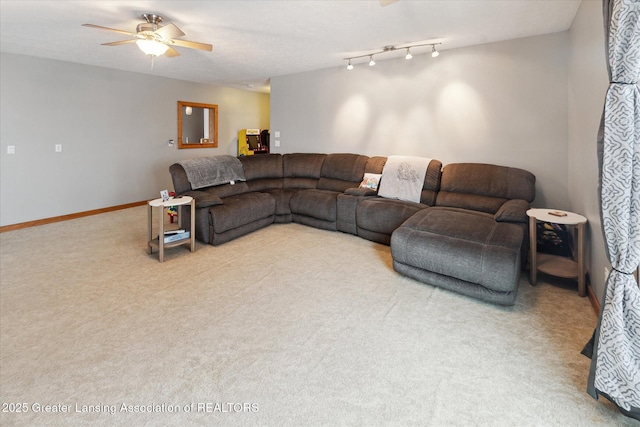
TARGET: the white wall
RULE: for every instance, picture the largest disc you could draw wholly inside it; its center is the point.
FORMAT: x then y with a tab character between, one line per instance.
588	82
502	103
114	127
533	103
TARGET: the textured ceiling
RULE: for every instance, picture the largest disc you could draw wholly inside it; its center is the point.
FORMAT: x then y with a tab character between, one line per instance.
254	40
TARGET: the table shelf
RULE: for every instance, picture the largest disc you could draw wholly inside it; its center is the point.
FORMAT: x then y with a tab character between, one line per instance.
156	242
558	266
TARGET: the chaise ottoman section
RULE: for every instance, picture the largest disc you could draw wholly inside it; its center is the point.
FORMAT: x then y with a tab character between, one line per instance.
462	251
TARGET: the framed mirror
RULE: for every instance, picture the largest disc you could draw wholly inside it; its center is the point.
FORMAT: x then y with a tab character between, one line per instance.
197	125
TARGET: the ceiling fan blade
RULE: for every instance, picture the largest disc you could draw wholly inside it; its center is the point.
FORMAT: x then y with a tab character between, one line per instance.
193	45
99	27
171	52
169	32
119	43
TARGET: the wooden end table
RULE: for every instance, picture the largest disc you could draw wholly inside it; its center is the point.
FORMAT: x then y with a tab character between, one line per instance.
159	241
555	265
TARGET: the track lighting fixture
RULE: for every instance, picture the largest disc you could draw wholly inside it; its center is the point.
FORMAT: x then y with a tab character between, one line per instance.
408	55
434	53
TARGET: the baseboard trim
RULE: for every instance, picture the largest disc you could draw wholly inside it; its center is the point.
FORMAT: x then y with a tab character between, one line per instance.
44	221
593	300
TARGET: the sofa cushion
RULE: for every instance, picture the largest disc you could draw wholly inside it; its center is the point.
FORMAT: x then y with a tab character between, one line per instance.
382	216
375	164
242	209
181	183
283	199
204	199
346	205
320	204
473	202
227	190
483	187
431	183
360	192
302	170
513	211
263	171
342	171
262	166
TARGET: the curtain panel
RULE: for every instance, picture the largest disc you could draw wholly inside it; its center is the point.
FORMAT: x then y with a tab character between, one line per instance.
615	347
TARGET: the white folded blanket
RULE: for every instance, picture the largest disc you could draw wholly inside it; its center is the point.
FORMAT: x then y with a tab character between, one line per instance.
403	178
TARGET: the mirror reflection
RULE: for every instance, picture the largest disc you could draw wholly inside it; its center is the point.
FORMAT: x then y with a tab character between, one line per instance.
197	125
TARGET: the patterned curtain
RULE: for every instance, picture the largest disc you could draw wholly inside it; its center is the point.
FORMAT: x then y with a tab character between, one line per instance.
615	346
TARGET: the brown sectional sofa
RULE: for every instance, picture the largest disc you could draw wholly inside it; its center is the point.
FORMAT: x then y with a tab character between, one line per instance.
468	234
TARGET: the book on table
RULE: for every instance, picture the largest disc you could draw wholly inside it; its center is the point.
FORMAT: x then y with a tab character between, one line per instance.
174	235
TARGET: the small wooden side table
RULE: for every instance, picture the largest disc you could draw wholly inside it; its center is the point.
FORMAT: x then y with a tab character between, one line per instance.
159	241
555	265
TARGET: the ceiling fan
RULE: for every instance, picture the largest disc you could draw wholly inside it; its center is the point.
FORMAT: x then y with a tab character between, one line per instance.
154	39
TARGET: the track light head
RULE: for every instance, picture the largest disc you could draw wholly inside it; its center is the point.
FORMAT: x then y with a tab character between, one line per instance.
349	65
434	52
371	61
408	55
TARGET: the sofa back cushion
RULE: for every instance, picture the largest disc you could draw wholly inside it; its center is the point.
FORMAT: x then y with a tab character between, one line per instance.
302	170
263	171
181	184
375	164
483	187
431	183
342	171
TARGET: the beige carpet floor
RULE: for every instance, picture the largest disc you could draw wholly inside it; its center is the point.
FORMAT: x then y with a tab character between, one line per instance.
288	326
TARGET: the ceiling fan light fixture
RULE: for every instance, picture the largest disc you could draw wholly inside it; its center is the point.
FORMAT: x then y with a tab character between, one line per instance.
152	47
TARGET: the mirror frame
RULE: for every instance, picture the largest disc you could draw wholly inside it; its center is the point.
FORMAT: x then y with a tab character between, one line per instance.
213	125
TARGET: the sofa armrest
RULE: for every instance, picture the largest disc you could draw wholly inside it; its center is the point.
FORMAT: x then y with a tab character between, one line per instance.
514	210
360	192
204	199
